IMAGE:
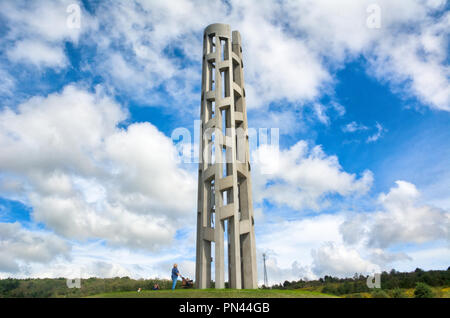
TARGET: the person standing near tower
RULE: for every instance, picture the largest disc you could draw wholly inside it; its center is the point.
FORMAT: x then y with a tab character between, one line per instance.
175	274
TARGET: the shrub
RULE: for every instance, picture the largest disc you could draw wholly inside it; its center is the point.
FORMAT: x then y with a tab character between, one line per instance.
328	289
398	293
379	293
423	291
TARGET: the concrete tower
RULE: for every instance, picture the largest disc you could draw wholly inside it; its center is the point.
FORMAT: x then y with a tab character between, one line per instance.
225	208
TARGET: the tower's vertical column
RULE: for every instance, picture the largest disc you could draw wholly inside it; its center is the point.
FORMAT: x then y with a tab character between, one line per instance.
203	254
224	197
247	223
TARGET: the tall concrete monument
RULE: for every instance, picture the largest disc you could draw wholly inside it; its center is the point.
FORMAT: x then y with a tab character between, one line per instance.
225	224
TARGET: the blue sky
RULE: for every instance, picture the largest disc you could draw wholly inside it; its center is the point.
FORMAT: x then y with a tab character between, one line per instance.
88	172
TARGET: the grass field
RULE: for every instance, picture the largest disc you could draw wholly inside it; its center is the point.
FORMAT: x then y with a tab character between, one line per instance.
249	293
216	293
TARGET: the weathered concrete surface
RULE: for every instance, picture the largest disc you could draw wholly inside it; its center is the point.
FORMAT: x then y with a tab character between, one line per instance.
224	181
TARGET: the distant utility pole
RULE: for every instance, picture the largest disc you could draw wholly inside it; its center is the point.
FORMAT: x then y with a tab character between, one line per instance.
266	283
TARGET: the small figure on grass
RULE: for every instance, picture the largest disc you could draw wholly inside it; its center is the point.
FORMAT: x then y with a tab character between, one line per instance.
175	274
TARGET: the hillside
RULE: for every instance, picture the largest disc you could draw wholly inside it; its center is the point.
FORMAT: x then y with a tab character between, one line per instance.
215	293
436	283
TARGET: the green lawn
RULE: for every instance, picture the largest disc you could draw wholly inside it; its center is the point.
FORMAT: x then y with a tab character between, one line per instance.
215	293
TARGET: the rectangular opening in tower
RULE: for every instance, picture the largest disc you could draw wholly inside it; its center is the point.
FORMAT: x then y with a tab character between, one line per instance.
224	48
226	245
225	75
227	196
239	204
211	43
227	157
211	107
224	162
225	114
212	149
212	266
212	76
211	203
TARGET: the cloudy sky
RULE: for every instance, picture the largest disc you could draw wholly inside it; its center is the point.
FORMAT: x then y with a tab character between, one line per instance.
90	179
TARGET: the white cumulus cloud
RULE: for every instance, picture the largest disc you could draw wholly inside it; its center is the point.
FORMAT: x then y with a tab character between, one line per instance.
302	177
340	260
20	247
86	178
402	220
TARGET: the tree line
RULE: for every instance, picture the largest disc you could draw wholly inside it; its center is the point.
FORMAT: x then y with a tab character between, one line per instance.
58	287
392	284
390	281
